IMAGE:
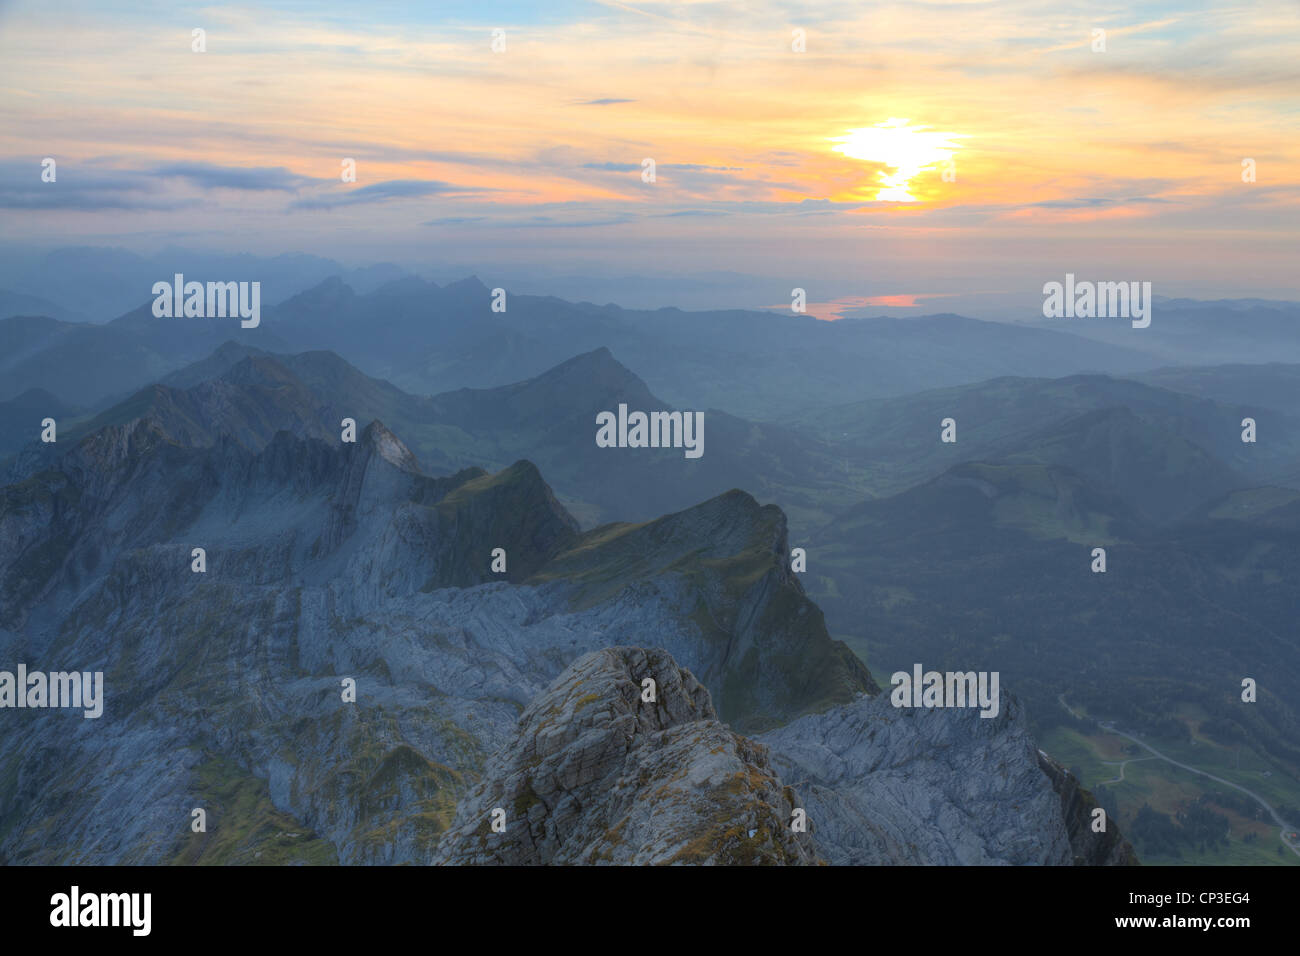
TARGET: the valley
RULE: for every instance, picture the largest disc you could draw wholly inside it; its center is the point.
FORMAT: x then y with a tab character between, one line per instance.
1168	775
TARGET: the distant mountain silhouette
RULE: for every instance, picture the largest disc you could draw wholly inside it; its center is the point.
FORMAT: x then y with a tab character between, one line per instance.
895	441
84	364
550	419
758	364
1192	332
1273	385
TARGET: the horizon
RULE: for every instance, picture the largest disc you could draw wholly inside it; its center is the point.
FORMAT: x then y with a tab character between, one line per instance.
691	292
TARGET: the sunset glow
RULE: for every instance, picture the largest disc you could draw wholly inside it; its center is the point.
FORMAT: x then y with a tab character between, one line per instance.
907	150
951	130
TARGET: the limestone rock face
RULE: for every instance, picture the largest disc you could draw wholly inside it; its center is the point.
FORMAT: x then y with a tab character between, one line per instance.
756	641
886	785
595	774
1089	848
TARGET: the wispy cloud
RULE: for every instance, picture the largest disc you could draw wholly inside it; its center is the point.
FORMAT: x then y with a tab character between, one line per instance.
386	192
76	187
257	179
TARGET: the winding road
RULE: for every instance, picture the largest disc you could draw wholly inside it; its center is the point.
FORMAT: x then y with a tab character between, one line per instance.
1121	765
1109	727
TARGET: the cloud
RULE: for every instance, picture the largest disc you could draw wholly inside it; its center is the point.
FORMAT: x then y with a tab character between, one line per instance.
534	222
53	199
1093	202
93	186
77	187
698	168
690	212
387	191
605	102
680	167
255	178
548	222
593	215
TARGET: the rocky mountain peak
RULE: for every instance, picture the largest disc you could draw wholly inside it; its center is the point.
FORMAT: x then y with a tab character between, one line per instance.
598	773
471	285
388	446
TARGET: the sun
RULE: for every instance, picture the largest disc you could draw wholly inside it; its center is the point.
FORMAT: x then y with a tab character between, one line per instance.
907	150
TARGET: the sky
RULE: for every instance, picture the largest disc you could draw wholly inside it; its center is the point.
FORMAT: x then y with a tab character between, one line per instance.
908	155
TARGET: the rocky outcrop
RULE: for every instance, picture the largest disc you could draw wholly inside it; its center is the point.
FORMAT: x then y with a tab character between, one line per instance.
598	774
1087	846
756	640
886	785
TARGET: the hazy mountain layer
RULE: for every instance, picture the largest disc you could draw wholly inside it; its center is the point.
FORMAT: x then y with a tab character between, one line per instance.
989	566
895	442
1192	332
756	364
1271	385
430	339
550	419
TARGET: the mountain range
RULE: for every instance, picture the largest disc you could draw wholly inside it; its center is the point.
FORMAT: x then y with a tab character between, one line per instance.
431	339
1167	452
499	586
328	562
992	565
